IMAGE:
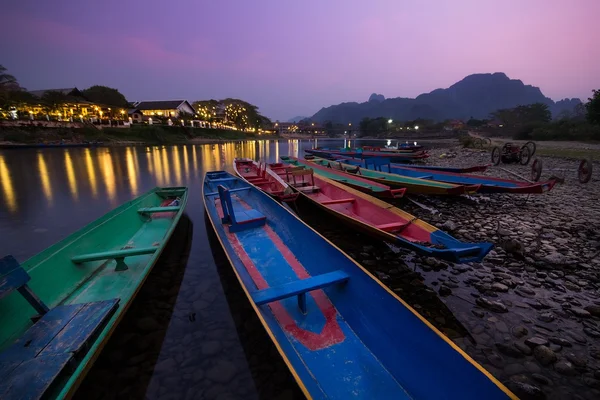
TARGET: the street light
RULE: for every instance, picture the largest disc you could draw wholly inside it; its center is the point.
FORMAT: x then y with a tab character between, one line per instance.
416	127
390	121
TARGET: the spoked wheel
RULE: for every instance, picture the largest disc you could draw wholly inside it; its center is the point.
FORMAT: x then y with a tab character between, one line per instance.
532	147
536	169
496	153
487	142
584	172
524	155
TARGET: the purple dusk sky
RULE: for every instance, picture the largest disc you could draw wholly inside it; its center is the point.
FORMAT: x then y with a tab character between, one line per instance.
294	57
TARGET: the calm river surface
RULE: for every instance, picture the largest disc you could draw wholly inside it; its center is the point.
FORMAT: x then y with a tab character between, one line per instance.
190	334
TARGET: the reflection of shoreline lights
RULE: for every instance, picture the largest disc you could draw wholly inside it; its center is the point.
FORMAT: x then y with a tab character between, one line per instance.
195	160
45	178
186	163
71	174
165	166
109	176
131	171
177	165
7	187
158	172
91	172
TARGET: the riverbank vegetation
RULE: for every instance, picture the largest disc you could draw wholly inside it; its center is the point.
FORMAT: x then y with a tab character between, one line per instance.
153	134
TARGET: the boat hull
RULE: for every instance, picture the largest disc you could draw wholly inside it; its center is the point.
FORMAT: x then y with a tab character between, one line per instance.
355	338
373	216
412	185
267	181
371	154
58	281
485	184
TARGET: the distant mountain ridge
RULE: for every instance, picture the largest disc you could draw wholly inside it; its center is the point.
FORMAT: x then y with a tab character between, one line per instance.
297	119
475	96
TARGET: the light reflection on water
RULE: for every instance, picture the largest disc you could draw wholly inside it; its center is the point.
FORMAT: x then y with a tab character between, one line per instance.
8	190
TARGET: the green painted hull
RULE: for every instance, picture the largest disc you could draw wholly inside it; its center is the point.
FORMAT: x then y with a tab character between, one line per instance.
412	185
58	281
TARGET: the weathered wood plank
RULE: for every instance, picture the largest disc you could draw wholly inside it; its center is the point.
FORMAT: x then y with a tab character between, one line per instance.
286	290
32	378
81	328
107	255
33	341
12	275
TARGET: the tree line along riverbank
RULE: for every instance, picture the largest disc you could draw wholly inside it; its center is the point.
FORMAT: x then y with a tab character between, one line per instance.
141	134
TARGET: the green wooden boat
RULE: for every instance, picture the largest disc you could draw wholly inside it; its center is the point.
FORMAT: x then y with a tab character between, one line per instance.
60	307
412	185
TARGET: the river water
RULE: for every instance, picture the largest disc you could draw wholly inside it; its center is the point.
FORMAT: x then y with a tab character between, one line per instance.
190	333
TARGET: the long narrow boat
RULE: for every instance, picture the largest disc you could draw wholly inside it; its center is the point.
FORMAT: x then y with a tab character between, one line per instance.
391	224
263	178
410	156
459	170
60	307
412	185
487	184
341	332
364	185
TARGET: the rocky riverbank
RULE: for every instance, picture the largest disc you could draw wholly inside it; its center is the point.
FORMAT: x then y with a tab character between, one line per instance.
530	312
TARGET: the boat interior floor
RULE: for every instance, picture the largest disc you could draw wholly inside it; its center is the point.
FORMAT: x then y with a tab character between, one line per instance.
320	336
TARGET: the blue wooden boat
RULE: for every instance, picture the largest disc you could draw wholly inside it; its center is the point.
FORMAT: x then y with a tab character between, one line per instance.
340	331
487	184
403	157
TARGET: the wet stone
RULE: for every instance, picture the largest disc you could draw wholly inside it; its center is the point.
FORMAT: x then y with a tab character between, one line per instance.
535	341
532	367
591	332
555	347
513	369
509	350
523	348
491	305
546	317
499	287
576	360
544	355
519	331
565	368
539	378
560	341
526	391
580	312
593	309
578	338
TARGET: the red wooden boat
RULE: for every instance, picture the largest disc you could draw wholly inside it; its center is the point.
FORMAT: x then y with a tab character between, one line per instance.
263	178
380	219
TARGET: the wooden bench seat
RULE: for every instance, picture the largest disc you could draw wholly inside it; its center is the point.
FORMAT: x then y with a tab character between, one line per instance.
298	288
393	226
152	210
239	218
230	191
39	358
117	255
338	201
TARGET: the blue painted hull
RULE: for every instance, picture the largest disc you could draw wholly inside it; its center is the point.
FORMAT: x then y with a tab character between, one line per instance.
487	184
356	339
